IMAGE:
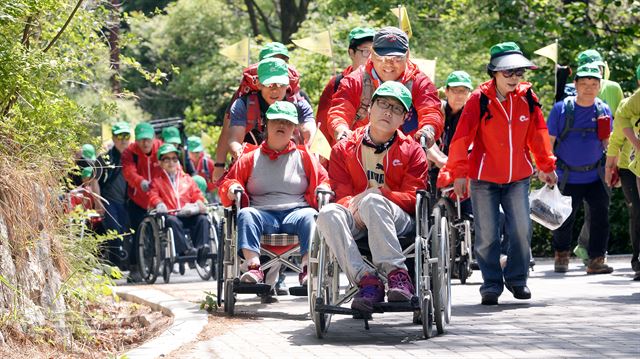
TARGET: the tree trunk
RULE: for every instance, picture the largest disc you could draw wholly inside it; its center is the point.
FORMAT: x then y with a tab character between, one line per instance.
252	17
291	17
114	53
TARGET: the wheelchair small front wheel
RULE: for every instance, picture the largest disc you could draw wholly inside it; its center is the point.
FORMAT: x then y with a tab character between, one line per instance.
426	316
167	269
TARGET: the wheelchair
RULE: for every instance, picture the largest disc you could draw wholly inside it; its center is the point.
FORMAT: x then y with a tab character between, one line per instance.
428	251
281	248
460	227
156	248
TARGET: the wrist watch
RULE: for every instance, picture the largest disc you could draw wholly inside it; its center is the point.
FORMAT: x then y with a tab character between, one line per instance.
219	164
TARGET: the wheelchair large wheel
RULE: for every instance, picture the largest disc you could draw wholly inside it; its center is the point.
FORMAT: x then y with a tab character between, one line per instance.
438	238
149	250
229	298
167	263
220	263
322	284
207	271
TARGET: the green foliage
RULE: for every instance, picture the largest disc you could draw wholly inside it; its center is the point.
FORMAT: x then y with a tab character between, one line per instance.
210	302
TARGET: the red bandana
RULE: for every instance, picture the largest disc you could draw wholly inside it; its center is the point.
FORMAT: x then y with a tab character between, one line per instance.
273	154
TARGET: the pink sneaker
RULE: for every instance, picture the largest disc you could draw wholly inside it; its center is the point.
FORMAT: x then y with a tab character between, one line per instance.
253	275
371	292
400	287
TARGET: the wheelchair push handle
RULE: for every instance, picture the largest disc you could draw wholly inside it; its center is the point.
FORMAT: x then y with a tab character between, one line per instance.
238	197
423	142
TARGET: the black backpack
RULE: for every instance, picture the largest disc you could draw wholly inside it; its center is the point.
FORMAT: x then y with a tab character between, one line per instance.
484	104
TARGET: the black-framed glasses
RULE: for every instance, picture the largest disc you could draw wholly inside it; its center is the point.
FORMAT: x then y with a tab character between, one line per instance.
510	73
384	104
366	52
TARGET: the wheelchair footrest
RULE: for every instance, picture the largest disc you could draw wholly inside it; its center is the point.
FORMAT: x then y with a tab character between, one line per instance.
247	288
409	306
299	291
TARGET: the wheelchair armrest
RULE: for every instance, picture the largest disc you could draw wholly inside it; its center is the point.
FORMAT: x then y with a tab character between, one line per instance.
323	196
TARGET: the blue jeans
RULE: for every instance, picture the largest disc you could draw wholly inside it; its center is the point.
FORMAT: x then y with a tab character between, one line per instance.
253	223
514	198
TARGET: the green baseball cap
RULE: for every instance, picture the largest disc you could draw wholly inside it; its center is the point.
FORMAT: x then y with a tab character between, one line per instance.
358	33
144	130
273	71
459	78
590	57
194	144
508	56
272	49
166	148
396	90
89	152
201	182
120	127
171	135
283	110
588	70
87	172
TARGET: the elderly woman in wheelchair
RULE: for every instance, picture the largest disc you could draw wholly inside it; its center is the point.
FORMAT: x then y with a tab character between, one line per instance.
175	194
279	180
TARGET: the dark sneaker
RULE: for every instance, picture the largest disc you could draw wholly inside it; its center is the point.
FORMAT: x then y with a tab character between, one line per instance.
281	286
254	275
371	292
598	266
303	277
400	287
134	276
189	252
268	298
561	263
637	275
489	299
203	253
519	291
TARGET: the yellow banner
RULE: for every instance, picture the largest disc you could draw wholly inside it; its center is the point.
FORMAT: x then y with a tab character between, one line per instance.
319	43
106	133
403	17
207	141
238	52
320	145
549	51
427	66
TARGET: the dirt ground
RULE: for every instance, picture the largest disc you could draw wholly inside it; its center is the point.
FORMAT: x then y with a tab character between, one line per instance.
113	327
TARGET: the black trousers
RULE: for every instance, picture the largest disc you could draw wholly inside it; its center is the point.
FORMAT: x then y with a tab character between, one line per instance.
632	199
597	199
198	227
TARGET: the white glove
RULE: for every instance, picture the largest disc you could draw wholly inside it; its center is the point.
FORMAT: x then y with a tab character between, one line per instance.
144	185
189	209
162	208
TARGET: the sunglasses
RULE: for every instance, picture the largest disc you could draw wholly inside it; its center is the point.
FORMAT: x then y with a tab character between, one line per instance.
122	136
385	105
510	73
276	86
365	52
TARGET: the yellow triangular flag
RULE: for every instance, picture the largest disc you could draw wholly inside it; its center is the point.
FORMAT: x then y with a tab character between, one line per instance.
607	71
549	51
405	25
320	145
106	133
428	67
319	43
206	139
238	52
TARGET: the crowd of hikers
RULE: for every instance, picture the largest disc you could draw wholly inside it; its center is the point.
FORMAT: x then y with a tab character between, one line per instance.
486	141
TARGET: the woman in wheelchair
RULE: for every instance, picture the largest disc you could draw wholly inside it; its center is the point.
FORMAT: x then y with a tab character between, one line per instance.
375	173
175	194
279	179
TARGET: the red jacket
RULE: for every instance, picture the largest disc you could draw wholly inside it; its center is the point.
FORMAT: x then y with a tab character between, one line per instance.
162	191
243	167
346	100
204	167
136	166
501	143
405	170
325	103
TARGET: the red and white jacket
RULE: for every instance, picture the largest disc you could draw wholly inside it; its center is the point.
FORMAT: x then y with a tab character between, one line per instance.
174	197
405	170
136	167
204	167
501	143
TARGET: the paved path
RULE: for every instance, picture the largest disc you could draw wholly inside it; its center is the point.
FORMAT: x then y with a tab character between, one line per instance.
570	315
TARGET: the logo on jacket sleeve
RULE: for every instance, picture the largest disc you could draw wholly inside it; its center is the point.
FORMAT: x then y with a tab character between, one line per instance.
523	118
396	163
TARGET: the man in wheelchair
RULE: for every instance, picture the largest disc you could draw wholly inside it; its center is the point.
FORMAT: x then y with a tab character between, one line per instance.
175	194
280	179
375	173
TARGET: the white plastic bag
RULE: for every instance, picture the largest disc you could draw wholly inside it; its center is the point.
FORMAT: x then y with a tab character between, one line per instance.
549	207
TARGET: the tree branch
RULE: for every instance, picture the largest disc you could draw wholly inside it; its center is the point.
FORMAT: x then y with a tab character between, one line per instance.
64	27
265	20
252	17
